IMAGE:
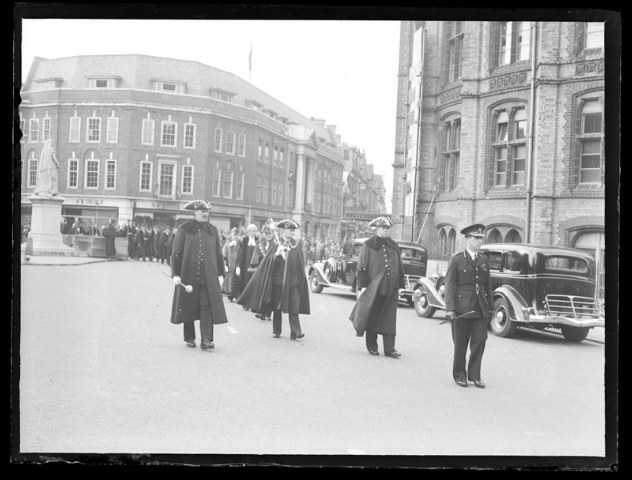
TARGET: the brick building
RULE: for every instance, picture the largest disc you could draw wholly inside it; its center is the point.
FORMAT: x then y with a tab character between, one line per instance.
501	123
139	136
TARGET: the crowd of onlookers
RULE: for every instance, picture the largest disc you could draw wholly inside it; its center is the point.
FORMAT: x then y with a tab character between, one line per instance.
153	243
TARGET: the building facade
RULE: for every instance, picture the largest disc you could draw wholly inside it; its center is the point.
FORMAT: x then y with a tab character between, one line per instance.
139	136
501	123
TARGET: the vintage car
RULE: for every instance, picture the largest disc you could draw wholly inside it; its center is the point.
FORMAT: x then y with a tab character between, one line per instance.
340	271
534	286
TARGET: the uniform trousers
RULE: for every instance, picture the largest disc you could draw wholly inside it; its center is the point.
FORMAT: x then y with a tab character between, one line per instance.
472	331
295	324
371	333
206	320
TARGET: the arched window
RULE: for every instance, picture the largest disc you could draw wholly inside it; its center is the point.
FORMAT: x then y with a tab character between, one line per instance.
513	237
494	236
590	160
593	243
451	145
451	242
442	243
509	147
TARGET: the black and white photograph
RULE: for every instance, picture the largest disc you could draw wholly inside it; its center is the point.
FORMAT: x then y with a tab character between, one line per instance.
315	238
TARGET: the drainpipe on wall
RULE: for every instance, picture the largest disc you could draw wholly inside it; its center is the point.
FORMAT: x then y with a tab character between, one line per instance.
534	50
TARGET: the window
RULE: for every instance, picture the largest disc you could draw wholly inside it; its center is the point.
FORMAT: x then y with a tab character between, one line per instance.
168	137
590	143
264	191
494	236
593	35
260	150
168	87
33	130
73	173
239	187
110	174
258	196
266	157
513	262
93	132
513	237
455	50
452	143
101	83
75	129
145	176
241	149
167	180
148	131
227	190
511	42
216	182
189	135
112	130
275	155
23	129
494	259
509	147
273	197
92	174
593	243
187	179
31	180
224	97
282	158
572	264
230	142
46	129
218	139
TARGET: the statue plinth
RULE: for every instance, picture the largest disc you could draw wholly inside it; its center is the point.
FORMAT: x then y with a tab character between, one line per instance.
45	221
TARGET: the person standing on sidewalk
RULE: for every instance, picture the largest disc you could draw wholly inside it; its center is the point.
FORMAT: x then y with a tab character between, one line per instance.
279	283
380	279
468	293
109	232
197	262
245	254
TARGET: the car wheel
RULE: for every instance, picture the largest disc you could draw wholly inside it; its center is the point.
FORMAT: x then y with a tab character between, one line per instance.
423	308
500	323
314	284
574	334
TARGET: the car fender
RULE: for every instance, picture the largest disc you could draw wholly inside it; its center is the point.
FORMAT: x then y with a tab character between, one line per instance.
320	273
427	286
515	302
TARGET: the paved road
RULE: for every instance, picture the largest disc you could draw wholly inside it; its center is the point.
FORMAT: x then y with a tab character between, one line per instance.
103	370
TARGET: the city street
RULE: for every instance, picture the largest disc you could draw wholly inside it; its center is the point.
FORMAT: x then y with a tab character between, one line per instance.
104	371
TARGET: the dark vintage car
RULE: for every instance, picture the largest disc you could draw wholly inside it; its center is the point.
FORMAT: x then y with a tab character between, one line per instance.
340	271
534	286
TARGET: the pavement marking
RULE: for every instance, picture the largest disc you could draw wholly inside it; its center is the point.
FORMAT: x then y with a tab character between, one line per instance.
355	451
232	330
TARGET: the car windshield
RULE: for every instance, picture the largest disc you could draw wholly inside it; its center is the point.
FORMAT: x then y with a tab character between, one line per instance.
563	263
412	254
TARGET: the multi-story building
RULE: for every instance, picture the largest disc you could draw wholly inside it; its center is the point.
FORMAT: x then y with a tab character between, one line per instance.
363	193
139	136
501	123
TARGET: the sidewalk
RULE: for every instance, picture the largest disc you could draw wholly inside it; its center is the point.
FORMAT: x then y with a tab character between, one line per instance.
60	260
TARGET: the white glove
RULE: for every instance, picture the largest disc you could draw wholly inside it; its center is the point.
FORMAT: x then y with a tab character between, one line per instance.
176	280
238	270
221	280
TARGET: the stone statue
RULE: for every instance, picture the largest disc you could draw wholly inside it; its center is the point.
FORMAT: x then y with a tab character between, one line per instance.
47	171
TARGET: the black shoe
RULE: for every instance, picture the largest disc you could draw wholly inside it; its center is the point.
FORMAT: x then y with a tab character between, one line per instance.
374	352
294	337
207	346
191	344
276	335
258	315
479	383
461	382
393	354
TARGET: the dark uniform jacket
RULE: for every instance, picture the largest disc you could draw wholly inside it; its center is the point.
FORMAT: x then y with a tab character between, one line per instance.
381	272
197	260
294	294
468	285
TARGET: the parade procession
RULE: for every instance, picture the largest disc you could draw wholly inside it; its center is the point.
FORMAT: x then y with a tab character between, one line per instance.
419	270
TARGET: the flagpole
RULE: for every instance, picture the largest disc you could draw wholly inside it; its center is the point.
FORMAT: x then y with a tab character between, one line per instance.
250	63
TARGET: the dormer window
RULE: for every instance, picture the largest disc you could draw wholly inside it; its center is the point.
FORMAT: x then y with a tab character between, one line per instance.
103	82
169	87
47	83
222	95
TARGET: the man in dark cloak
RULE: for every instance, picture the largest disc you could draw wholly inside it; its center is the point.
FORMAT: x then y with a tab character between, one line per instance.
245	254
380	279
280	284
109	232
197	262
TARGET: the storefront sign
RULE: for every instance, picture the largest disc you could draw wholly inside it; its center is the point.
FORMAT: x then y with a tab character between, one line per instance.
89	201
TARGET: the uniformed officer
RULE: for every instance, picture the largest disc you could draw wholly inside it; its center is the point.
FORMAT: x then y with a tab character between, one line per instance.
380	278
197	262
469	305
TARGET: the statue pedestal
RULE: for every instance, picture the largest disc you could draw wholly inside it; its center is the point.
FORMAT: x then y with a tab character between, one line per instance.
45	221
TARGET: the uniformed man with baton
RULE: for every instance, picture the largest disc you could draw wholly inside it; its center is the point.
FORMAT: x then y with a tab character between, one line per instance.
469	306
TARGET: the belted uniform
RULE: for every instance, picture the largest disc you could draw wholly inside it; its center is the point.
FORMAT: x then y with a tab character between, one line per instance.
468	288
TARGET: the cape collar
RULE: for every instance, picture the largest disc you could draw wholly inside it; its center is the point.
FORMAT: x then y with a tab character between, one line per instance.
193	226
376	244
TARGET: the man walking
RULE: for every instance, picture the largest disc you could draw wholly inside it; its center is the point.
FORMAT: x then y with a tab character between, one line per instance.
380	278
469	305
197	262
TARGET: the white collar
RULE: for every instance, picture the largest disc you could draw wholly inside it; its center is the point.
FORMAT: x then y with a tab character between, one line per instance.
472	253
